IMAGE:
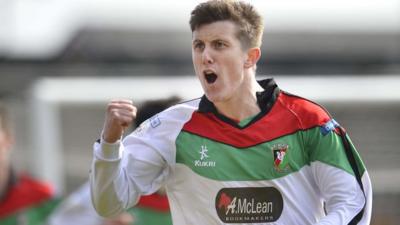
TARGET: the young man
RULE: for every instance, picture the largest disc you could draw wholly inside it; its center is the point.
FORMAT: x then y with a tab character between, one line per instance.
23	199
244	153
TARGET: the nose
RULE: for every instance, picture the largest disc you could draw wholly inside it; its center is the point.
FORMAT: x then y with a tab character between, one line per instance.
207	57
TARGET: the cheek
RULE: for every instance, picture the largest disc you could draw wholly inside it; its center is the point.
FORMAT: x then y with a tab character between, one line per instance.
234	62
196	62
234	68
195	56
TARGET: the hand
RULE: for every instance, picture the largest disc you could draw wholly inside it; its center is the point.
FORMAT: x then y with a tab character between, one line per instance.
119	115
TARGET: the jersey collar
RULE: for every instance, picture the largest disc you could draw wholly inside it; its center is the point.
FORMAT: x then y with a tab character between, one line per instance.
265	101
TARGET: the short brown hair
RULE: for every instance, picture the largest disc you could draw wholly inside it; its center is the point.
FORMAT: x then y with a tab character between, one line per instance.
249	21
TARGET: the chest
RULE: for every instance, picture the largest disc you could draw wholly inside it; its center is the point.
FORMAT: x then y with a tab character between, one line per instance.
225	162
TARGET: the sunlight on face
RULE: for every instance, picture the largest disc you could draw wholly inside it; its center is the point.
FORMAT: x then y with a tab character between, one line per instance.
218	60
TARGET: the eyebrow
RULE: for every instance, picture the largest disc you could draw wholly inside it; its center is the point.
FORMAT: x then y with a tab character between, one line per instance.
197	41
220	40
213	40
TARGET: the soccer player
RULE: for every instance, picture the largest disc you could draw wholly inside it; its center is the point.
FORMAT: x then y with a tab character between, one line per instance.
23	199
246	152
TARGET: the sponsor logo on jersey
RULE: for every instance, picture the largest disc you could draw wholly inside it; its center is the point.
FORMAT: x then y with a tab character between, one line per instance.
281	158
204	161
249	205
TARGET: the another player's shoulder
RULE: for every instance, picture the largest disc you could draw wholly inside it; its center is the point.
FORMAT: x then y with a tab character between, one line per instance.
309	112
28	191
34	187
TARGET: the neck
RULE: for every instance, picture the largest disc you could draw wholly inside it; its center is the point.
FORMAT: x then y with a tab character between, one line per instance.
244	105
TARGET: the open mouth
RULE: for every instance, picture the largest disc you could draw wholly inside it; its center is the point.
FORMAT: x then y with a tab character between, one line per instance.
211	77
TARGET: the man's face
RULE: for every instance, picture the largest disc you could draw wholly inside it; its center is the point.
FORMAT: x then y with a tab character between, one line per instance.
218	60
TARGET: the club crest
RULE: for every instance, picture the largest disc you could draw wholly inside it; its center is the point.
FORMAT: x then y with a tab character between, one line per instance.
281	159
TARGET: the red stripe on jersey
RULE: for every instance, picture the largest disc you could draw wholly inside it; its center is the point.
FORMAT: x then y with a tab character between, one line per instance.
154	201
26	193
288	115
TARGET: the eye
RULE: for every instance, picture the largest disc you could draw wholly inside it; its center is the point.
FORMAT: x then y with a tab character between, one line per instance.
198	45
219	44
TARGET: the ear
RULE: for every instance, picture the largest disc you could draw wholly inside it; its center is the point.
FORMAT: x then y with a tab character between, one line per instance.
253	55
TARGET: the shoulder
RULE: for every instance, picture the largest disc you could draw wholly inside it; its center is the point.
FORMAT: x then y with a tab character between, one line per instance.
190	105
26	192
170	119
308	112
180	110
33	189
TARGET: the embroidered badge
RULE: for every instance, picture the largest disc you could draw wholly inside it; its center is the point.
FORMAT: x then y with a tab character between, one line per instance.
155	121
281	159
329	126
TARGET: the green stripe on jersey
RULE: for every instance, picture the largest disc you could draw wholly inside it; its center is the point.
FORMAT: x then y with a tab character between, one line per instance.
219	161
329	149
265	161
145	216
246	121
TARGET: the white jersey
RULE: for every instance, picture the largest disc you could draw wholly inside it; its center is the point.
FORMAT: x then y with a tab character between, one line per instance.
281	168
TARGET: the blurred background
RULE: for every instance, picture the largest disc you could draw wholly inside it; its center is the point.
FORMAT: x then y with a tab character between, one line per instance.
62	60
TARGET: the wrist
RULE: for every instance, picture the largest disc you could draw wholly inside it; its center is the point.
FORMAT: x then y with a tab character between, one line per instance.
110	140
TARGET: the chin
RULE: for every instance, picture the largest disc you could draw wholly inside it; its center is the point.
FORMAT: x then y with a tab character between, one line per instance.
216	94
214	98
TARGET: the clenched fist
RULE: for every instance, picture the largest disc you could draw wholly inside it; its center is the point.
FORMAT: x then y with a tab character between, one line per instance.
120	114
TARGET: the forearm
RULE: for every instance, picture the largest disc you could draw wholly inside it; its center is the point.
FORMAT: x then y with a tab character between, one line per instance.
118	182
105	174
